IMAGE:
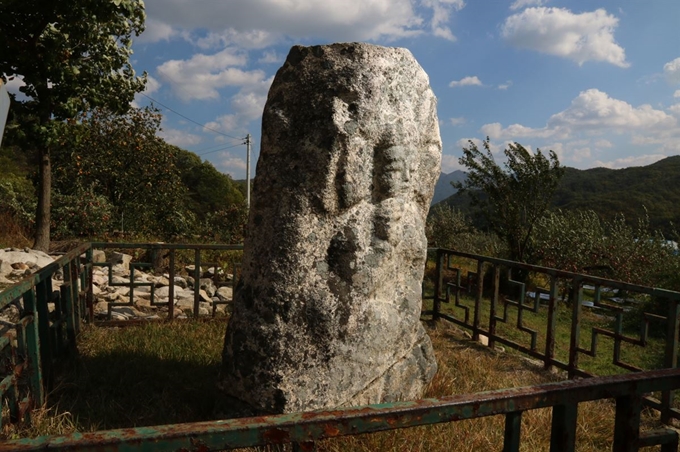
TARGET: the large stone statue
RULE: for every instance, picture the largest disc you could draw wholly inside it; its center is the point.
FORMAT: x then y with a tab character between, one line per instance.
327	311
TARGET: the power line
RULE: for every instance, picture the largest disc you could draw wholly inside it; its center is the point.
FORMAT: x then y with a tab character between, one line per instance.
189	119
222	149
241	141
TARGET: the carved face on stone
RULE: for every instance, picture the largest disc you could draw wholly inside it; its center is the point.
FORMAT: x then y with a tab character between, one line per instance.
329	301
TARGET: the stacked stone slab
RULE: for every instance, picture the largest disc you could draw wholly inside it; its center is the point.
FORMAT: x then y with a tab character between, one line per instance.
327	311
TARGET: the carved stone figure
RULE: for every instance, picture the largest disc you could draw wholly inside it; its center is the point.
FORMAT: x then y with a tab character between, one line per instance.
327	311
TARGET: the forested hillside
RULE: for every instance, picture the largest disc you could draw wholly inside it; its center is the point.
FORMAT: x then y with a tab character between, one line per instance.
609	192
113	177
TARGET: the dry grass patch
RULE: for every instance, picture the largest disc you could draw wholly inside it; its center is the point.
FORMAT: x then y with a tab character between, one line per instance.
166	373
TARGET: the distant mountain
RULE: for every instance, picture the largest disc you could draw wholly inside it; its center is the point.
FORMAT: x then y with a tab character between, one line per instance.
444	189
608	192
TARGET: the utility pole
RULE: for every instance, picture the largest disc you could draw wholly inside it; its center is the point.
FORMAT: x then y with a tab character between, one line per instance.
248	171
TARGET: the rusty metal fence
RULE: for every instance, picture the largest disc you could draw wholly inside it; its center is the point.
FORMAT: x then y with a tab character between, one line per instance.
168	253
45	329
304	429
477	293
468	290
51	306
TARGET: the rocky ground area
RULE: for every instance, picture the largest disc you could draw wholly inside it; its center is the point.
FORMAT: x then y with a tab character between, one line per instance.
146	294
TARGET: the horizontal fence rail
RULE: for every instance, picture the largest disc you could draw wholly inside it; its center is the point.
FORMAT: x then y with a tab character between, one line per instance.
469	291
306	428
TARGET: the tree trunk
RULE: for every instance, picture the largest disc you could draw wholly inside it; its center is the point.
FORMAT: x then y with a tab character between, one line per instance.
42	215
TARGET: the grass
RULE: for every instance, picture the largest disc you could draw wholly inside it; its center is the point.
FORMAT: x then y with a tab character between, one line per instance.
164	373
160	373
647	357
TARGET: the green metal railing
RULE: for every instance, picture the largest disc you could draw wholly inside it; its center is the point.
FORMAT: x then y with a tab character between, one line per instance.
50	320
304	429
454	280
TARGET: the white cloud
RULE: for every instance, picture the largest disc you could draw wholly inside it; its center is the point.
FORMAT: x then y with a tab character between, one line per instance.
466	81
519	4
450	163
179	137
672	72
580	154
635	160
230	163
155	31
587	123
603	144
506	85
458	121
441	11
334	20
152	85
247	105
270	57
593	112
496	131
201	76
676	93
249	39
581	37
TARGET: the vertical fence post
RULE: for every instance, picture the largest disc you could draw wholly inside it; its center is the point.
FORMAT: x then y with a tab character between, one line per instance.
627	423
171	289
79	279
563	428
35	349
671	353
197	280
576	292
494	305
68	298
438	282
513	429
550	328
89	300
478	300
42	320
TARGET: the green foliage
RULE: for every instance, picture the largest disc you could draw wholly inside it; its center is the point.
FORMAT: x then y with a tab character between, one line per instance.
17	204
83	50
72	56
447	227
141	184
17	195
226	225
208	190
650	190
514	197
120	158
583	242
81	214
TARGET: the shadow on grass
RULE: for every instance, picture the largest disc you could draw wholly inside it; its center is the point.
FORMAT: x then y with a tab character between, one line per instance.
117	390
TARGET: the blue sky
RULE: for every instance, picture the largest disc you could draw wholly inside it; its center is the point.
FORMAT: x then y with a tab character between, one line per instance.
596	81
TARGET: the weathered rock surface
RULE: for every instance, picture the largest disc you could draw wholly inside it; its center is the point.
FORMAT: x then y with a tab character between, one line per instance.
327	311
